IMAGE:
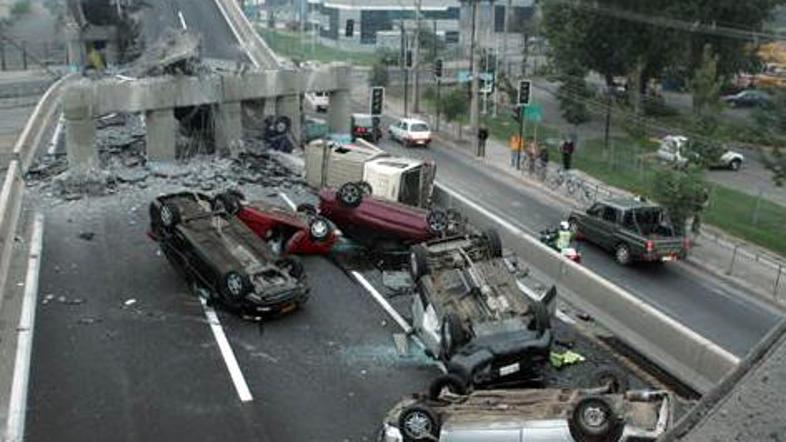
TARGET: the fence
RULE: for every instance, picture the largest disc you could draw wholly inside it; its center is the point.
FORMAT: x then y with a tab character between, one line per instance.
20	55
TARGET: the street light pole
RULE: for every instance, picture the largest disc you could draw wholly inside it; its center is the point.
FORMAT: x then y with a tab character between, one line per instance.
473	108
416	60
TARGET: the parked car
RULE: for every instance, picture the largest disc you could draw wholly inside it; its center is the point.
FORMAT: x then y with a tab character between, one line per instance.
410	132
632	228
366	127
673	149
408	181
371	220
475	310
319	100
600	414
222	259
748	98
287	232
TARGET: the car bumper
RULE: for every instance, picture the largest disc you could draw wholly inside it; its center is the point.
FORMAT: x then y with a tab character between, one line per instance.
282	304
660	257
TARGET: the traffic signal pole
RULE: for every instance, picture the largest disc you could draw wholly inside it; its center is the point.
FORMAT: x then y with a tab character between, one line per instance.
473	108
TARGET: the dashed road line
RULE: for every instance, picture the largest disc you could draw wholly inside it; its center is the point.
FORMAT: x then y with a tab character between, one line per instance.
226	351
287	200
182	20
17	404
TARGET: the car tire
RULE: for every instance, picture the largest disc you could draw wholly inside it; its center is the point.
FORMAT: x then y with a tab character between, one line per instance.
419	423
622	254
319	228
350	195
438	221
292	266
306	208
282	125
493	242
541	320
453	382
616	382
234	286
453	335
418	262
366	187
593	419
230	202
169	215
735	165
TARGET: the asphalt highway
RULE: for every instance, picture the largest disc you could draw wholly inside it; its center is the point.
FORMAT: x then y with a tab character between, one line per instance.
720	311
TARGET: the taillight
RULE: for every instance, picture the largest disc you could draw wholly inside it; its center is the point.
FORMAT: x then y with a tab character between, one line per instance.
649	245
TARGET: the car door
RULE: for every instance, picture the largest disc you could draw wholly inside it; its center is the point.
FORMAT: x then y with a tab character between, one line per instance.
395	130
588	224
607	226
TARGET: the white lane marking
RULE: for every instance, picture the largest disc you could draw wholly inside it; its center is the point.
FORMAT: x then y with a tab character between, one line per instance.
633	299
562	316
287	200
17	404
226	351
392	312
236	33
55	136
182	20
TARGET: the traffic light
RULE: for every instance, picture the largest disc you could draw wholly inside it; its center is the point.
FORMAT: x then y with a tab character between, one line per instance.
377	100
409	58
525	92
438	68
350	30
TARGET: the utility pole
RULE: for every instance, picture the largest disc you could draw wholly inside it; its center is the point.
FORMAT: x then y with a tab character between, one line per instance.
404	68
473	107
505	38
416	60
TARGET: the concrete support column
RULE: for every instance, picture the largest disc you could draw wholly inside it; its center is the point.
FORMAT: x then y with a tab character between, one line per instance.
289	106
80	128
160	136
229	128
339	106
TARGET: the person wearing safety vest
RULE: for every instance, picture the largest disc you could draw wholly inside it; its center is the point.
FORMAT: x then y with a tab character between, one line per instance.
564	236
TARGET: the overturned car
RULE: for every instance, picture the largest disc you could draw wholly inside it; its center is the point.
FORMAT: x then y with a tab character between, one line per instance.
222	259
600	414
479	313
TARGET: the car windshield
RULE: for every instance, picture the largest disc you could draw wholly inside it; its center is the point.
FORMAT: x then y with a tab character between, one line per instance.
418	127
364	121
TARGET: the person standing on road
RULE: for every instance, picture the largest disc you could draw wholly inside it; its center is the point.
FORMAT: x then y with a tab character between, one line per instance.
568	146
564	236
515	151
483	135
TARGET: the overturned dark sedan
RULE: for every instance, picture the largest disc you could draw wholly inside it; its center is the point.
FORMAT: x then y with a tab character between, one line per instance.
222	259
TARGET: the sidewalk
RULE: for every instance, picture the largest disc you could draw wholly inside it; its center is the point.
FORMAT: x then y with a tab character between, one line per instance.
713	251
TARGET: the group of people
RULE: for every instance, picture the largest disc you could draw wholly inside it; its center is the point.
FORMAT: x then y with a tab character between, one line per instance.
541	154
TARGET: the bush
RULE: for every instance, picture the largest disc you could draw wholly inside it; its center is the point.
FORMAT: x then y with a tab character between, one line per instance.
21	7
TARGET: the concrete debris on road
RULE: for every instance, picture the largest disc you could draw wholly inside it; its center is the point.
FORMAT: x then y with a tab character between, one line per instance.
176	52
397	281
87	236
129	302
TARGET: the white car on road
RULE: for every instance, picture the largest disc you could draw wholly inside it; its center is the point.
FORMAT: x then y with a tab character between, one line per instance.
673	150
410	132
319	101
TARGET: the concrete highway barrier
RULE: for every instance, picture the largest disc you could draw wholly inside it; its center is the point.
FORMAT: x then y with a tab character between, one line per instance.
686	355
12	193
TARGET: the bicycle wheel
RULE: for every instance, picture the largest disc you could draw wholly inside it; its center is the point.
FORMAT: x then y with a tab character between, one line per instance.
555	180
571	186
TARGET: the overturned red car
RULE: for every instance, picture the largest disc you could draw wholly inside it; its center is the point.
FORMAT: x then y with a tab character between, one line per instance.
303	232
373	220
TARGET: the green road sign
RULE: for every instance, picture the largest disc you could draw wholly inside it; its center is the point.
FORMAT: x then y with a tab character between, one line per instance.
534	113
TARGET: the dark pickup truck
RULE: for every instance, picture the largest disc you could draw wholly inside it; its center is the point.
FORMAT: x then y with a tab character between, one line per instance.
632	228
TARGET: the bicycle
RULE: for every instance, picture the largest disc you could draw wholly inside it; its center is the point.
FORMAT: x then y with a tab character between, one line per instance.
557	178
541	170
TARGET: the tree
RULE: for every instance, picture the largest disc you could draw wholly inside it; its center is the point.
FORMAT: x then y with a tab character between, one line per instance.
706	86
572	95
683	193
454	105
379	75
776	163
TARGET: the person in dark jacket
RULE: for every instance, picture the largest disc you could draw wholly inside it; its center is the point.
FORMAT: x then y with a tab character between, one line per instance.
568	146
483	135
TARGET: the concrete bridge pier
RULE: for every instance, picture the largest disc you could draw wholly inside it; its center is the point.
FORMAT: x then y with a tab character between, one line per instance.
80	127
160	136
229	128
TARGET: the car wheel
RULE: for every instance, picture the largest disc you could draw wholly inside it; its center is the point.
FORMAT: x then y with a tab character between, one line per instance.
493	242
437	220
735	165
452	382
418	262
622	254
616	382
306	208
366	187
593	419
418	423
229	202
234	287
453	335
319	228
282	125
169	215
350	195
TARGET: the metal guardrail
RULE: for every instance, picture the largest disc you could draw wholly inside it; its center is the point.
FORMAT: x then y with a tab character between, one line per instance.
688	356
12	192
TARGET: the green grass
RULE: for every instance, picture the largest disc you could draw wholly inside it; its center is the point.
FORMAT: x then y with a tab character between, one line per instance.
289	44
